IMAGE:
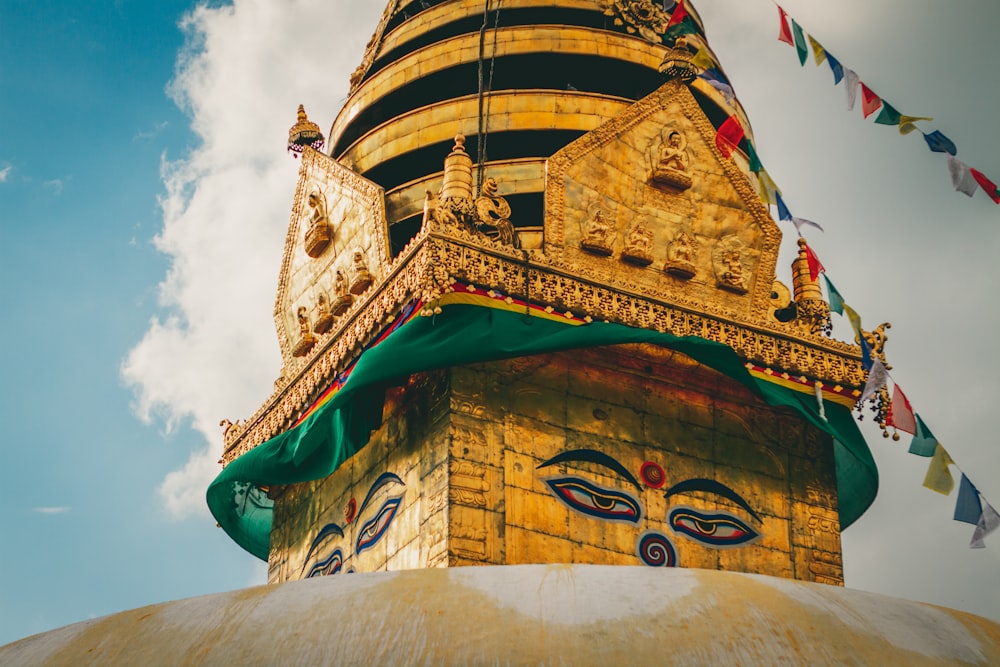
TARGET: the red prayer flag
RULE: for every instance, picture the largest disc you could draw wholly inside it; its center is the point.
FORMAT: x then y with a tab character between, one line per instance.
680	13
901	412
870	102
729	136
784	31
988	186
815	266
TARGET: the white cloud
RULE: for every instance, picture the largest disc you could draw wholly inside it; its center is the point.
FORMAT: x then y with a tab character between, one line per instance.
5	173
52	510
213	352
56	185
146	135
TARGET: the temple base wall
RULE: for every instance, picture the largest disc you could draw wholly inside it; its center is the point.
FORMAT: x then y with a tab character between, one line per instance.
624	455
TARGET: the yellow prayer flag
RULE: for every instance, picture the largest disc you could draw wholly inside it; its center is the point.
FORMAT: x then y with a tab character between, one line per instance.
766	188
702	59
818	51
938	475
906	123
855	319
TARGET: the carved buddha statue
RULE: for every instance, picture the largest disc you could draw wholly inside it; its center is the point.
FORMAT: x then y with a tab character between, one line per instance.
599	236
680	256
673	167
320	232
342	297
362	278
639	246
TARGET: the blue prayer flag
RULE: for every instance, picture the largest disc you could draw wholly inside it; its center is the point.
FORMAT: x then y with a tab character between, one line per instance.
835	67
967	507
939	143
866	354
783	212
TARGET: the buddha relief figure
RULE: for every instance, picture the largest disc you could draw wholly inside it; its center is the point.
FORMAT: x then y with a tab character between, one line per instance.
306	338
639	246
361	278
320	231
680	256
730	272
324	318
673	168
342	297
598	237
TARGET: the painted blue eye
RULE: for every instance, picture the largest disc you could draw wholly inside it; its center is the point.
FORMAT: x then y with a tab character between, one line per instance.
373	530
593	500
718	530
332	565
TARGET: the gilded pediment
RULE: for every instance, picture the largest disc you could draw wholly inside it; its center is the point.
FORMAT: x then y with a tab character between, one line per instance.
337	247
647	203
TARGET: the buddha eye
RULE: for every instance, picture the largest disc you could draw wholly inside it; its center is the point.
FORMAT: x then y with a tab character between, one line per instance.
718	530
331	565
595	501
373	530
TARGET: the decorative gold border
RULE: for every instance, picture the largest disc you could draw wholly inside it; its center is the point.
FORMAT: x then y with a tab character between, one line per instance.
441	255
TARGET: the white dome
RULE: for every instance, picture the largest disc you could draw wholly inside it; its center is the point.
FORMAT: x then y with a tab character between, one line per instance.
528	614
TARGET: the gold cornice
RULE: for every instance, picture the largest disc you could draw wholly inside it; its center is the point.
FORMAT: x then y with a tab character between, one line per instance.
443	254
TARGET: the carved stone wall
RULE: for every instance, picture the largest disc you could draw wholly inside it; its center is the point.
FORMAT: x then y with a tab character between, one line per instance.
627	455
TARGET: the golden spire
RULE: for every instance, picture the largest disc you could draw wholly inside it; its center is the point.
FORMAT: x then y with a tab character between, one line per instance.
304	133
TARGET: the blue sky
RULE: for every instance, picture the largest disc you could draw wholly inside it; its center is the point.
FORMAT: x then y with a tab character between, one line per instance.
144	196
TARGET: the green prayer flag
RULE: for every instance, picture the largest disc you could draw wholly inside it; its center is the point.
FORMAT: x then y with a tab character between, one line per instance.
888	115
468	333
836	301
924	443
755	164
685	27
800	43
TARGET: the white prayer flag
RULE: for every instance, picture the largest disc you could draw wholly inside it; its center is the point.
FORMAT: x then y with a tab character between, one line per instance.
961	177
989	521
851	78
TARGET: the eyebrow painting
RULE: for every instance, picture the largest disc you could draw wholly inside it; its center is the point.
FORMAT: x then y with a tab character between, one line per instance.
592	456
711	486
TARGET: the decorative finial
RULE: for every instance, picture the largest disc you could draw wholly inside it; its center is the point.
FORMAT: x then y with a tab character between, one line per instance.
304	133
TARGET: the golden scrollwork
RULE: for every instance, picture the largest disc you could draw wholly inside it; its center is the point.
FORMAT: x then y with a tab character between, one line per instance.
645	17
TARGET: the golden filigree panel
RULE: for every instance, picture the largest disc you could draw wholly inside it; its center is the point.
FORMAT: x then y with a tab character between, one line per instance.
337	246
647	201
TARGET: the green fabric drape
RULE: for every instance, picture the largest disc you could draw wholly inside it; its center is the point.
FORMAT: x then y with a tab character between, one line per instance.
464	334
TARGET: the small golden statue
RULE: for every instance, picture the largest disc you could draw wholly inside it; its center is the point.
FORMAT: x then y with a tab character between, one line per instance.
493	213
599	236
362	278
673	168
639	246
729	270
320	232
680	256
343	298
324	318
306	338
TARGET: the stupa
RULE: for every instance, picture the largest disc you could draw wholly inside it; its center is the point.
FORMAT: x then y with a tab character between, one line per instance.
531	321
